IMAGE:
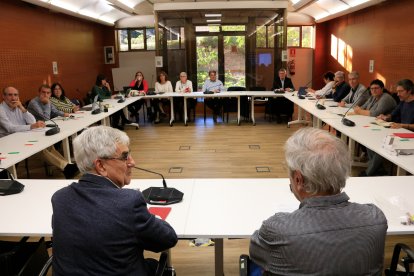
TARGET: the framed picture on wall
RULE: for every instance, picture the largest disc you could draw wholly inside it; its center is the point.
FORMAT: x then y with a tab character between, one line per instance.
109	54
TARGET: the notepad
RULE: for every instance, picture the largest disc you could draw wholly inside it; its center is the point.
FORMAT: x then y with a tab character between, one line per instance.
161	212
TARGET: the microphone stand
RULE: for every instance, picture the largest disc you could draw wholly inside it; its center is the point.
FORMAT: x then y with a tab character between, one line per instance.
10	186
161	195
318	105
54	128
346	121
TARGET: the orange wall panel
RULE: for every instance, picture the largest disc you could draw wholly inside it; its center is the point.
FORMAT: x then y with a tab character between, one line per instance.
382	33
33	37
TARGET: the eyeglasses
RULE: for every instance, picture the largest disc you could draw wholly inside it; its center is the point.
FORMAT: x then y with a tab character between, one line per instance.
12	94
375	88
125	156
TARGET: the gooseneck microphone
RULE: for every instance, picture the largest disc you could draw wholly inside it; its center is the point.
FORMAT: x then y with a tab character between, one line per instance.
10	186
164	183
161	195
54	127
346	121
318	105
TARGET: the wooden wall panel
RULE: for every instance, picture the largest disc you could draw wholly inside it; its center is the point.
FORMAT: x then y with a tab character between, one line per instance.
33	37
382	33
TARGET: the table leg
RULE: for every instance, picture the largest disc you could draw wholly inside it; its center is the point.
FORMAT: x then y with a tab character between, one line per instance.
252	110
238	110
401	171
218	257
172	111
300	119
66	149
185	111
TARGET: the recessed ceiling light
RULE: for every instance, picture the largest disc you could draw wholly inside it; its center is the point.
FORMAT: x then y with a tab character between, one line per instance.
213	20
212	15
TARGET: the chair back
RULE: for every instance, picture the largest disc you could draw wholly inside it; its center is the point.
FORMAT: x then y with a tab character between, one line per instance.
236	88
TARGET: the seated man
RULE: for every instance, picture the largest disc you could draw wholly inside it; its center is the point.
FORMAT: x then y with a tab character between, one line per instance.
402	117
212	84
15	118
340	88
327	235
98	227
358	94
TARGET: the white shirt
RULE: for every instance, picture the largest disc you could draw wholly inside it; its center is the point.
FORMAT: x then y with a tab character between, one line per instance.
325	89
166	87
181	87
14	120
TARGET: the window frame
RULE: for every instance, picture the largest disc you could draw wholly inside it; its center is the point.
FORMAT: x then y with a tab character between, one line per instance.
143	29
300	36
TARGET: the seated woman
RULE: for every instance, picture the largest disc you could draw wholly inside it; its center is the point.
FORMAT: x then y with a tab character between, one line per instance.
60	101
214	85
103	89
328	78
378	103
184	86
163	85
141	85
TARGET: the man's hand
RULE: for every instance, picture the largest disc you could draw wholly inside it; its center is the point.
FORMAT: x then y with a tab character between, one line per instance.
38	124
66	115
383	117
396	125
75	108
341	104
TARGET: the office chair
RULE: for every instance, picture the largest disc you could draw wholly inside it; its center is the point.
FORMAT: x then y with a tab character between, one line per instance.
248	268
23	258
162	264
46	267
406	261
261	101
230	104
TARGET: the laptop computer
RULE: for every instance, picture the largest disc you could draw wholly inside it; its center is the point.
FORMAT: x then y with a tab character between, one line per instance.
302	91
93	106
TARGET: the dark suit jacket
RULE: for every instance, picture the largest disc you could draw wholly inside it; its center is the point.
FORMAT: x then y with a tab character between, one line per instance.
287	83
281	106
99	229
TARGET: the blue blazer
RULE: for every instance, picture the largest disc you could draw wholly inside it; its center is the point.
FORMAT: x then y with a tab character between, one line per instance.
99	229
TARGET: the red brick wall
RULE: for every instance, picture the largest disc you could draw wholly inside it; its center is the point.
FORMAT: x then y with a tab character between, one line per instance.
32	37
382	33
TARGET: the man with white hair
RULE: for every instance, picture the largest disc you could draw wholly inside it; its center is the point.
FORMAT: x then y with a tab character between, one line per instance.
98	227
327	235
340	88
358	94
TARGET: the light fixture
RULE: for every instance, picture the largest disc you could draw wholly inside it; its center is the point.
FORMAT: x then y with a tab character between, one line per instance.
357	2
213	20
212	15
294	2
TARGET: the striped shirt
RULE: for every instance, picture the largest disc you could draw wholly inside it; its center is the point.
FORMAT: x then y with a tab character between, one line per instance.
327	235
63	105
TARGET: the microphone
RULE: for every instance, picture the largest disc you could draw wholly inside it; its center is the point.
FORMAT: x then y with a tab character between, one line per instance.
346	121
161	195
10	186
318	105
54	127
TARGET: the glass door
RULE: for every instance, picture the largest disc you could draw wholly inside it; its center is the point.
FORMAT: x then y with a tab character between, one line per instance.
234	60
207	57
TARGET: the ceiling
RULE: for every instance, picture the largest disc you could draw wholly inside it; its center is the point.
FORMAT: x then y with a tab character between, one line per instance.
110	12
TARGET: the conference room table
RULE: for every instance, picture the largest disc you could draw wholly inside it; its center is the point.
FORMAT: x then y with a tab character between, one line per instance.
214	208
365	131
18	146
